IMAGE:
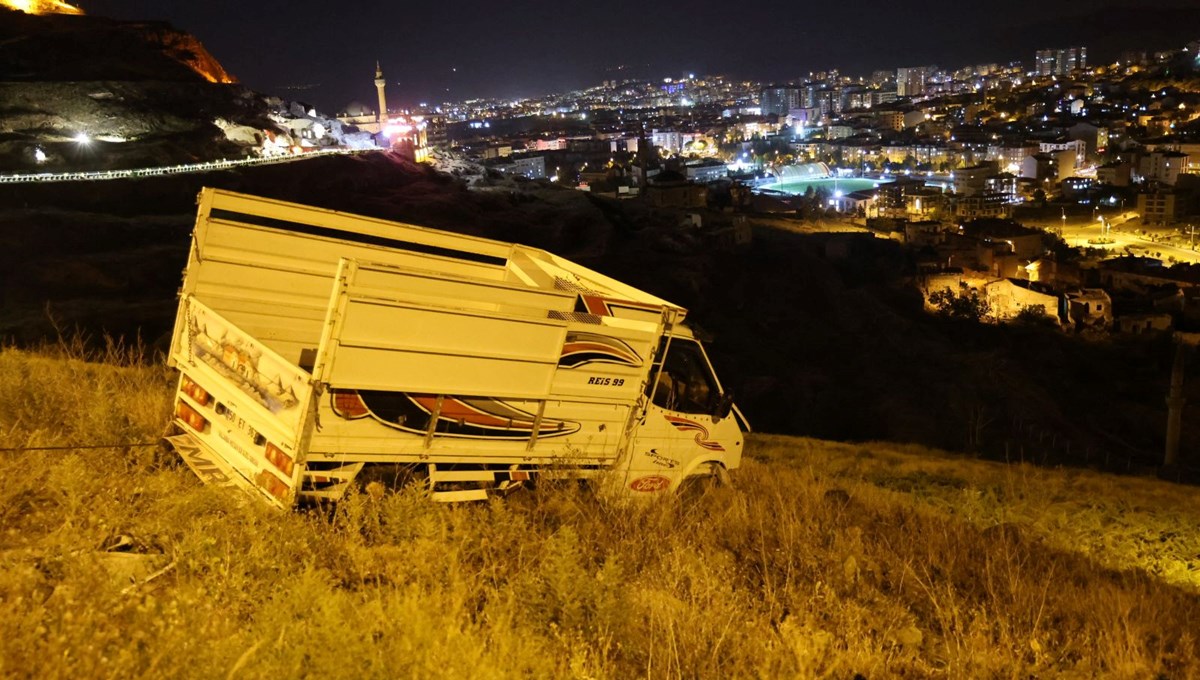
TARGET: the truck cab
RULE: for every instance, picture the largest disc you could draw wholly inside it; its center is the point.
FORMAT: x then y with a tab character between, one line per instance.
689	426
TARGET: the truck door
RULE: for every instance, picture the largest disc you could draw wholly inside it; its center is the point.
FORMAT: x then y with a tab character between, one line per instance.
681	431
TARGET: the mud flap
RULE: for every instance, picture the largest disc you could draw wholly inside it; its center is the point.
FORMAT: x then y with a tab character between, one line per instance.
207	466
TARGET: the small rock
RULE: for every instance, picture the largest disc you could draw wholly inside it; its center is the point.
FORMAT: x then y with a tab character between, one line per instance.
119	543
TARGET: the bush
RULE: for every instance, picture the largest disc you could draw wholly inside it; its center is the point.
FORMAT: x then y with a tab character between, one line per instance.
966	305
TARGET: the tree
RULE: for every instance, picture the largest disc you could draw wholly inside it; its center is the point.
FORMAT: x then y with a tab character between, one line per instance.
967	305
1034	315
821	198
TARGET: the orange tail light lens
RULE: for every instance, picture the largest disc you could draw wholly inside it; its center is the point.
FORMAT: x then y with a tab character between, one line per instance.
191	416
280	460
272	484
190	388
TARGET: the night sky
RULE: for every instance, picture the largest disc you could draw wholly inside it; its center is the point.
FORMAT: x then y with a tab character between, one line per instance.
450	51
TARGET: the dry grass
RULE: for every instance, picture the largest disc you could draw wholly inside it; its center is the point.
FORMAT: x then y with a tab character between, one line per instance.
825	560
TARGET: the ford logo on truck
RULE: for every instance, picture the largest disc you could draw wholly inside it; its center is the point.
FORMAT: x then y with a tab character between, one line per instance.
650	484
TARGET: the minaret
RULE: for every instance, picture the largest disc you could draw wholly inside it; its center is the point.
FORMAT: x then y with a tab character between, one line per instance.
379	83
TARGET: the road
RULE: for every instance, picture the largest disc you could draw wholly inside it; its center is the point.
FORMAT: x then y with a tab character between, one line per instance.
1123	233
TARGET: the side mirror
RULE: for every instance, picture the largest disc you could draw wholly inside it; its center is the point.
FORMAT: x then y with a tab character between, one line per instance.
723	406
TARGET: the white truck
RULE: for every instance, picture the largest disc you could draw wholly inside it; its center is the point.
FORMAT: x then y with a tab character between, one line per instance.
316	347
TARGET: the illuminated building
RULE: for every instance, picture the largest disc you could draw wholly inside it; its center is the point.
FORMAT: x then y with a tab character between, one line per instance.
1070	59
780	99
1077	147
827	102
1010	158
1115	174
973	180
1163	166
529	167
892	120
1059	62
903	197
982	205
912	81
361	117
407	136
1004	184
1044	63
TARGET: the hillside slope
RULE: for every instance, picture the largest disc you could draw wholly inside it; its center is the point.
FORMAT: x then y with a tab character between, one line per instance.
144	93
69	48
823	560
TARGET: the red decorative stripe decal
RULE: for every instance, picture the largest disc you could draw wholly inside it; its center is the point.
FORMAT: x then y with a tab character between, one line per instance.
685	425
585	348
603	306
463	411
469	417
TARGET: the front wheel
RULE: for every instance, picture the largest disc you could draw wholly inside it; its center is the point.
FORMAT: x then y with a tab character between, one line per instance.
707	478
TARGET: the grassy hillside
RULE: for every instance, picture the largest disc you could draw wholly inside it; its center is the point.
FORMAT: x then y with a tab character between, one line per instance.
824	560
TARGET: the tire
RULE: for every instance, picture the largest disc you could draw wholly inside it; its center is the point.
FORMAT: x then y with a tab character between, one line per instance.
701	484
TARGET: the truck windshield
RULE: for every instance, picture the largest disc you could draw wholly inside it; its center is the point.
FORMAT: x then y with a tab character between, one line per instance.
686	383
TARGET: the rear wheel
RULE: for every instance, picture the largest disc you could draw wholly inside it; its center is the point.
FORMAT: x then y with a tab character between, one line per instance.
378	479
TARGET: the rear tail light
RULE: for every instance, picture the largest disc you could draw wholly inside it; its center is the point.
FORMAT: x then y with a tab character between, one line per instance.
280	460
190	388
272	484
191	416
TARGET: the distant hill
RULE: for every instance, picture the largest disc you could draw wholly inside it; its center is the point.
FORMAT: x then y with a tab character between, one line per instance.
1110	31
144	93
1106	32
62	47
